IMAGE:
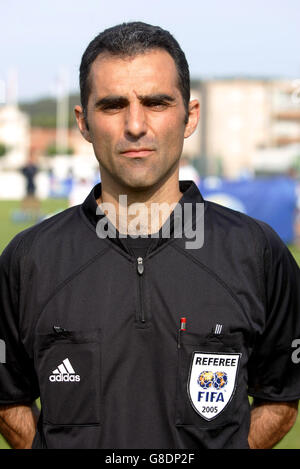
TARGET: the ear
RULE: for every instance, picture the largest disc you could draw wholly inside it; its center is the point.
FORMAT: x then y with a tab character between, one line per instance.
193	118
82	123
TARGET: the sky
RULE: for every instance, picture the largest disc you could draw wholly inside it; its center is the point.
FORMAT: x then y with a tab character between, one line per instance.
219	37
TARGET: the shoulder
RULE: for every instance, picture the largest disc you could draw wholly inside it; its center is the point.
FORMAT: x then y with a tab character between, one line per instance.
240	230
233	221
43	232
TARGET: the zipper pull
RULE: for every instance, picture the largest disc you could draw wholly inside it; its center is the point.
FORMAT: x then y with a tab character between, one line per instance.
140	265
59	330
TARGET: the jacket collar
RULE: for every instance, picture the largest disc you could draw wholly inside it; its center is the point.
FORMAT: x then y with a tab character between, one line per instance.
190	195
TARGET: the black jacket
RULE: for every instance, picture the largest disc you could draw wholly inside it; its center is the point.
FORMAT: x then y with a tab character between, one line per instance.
96	334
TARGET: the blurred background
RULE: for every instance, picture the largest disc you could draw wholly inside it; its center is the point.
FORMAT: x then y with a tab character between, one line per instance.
245	70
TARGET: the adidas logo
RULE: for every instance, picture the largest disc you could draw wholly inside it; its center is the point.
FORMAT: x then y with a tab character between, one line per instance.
64	372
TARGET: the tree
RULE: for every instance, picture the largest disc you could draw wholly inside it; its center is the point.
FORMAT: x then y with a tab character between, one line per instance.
3	149
52	150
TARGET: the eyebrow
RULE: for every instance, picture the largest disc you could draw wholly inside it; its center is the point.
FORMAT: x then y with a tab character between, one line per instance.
123	101
109	100
156	97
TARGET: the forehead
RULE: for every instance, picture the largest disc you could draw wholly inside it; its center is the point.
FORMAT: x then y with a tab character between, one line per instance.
150	72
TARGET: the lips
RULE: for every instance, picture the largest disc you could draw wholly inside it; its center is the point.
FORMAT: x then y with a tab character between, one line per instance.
137	152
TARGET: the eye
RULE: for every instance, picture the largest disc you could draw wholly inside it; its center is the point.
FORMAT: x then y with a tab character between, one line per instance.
157	104
112	107
107	105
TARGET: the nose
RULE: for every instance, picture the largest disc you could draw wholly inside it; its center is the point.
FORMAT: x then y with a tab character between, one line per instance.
135	121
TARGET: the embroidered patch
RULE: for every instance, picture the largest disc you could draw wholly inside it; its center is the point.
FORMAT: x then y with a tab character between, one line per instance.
212	382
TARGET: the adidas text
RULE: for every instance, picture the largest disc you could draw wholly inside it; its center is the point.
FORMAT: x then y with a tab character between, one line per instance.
64	373
63	377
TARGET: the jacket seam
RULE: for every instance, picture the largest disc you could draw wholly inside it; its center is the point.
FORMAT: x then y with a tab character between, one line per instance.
106	240
61	285
12	267
216	277
160	248
15	264
118	250
262	396
30	234
260	265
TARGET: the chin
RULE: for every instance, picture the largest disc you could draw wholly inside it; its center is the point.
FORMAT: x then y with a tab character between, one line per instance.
139	185
140	179
139	182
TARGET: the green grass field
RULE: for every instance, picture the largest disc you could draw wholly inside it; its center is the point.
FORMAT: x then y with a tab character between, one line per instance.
9	228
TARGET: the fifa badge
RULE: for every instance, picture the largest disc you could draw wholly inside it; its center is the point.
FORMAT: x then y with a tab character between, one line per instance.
212	382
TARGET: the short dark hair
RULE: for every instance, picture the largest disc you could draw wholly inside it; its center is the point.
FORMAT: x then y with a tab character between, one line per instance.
130	39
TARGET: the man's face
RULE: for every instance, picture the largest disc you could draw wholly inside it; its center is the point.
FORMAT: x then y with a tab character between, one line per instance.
136	118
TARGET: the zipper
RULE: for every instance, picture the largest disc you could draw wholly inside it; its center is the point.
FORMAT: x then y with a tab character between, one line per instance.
140	270
59	330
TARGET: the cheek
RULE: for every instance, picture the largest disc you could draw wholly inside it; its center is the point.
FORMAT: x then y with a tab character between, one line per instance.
103	134
171	132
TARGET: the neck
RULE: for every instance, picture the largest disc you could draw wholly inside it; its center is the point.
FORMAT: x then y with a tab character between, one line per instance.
155	204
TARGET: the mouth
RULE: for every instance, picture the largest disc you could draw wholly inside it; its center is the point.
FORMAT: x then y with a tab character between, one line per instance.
137	153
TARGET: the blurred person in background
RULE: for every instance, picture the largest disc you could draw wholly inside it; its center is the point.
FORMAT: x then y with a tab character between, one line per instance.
30	204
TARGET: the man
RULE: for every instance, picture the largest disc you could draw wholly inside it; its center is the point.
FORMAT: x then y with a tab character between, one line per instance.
30	204
148	341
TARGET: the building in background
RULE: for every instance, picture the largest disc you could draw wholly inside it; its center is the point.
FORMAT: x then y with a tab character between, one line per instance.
247	127
236	120
282	153
14	137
